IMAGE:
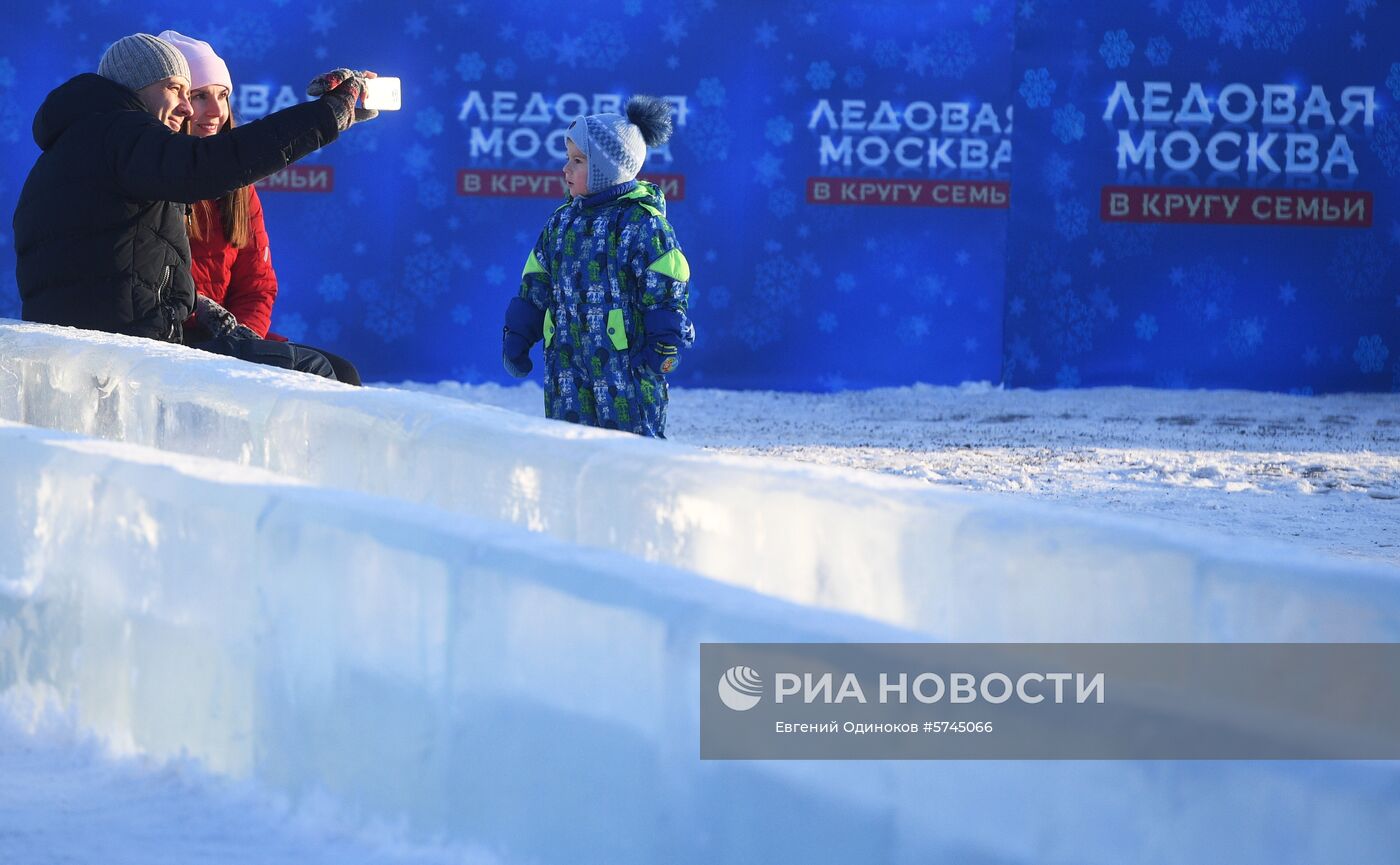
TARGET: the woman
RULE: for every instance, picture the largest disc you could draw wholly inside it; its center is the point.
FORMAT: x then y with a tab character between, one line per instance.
229	255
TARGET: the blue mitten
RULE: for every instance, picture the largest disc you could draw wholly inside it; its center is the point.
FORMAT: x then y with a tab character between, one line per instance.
524	327
667	332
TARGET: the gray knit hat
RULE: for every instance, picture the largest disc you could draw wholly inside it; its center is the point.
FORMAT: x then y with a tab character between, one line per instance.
139	59
616	146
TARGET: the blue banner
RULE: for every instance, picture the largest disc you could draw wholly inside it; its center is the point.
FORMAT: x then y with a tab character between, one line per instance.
1203	191
1205	195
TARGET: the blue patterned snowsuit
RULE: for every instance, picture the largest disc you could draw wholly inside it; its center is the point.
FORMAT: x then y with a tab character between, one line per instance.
601	274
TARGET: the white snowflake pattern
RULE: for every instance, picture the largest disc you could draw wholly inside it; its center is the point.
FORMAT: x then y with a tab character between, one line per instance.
1386	143
782	203
1359	264
1359	8
1234	26
1058	173
845	283
1275	24
568	51
604	45
1197	19
536	45
1067	377
930	288
332	287
1370	353
674	30
1071	219
765	35
953	54
887	54
322	20
1358	41
58	15
1145	327
1037	87
1158	51
505	69
1068	124
1117	49
918	59
778	131
1287	294
470	66
708	136
820	74
854	78
1246	336
416	160
292	325
826	322
495	274
461	314
710	93
426	275
971	344
415	25
768	169
428	122
386	315
431	193
912	329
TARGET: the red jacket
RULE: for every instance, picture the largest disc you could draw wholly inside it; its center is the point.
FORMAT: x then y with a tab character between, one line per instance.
240	280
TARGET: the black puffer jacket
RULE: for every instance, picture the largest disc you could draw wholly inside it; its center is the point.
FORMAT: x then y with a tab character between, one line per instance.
100	236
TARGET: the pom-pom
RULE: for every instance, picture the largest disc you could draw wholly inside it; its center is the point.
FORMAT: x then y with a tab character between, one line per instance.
652	116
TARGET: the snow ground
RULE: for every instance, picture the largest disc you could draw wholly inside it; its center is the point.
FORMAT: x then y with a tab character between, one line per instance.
69	799
1319	471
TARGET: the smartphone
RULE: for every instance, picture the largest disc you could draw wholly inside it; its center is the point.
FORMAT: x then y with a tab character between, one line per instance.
382	94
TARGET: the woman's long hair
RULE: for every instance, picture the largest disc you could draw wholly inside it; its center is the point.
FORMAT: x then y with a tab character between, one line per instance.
233	207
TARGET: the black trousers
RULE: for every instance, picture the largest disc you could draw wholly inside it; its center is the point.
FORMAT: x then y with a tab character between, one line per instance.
345	371
270	352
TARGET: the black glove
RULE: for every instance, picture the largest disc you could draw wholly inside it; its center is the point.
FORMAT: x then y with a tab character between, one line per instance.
220	322
342	89
524	327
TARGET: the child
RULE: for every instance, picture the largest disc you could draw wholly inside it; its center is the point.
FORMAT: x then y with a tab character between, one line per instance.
606	284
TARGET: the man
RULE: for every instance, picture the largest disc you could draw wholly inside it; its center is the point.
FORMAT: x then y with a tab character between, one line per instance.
100	237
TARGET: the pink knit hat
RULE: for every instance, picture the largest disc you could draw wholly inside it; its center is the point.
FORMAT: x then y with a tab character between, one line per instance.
206	67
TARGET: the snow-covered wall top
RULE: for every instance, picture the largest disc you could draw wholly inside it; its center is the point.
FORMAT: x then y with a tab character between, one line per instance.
481	684
840	179
955	565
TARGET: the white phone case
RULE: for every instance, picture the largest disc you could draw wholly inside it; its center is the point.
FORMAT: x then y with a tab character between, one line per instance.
382	94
